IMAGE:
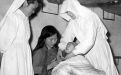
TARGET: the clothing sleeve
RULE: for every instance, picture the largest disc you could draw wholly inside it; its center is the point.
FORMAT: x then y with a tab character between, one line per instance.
37	58
86	36
8	32
67	36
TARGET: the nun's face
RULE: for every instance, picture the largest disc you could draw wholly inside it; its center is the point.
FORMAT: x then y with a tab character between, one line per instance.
68	16
69	13
31	8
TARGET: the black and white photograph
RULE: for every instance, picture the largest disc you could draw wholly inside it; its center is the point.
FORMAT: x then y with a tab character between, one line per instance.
60	37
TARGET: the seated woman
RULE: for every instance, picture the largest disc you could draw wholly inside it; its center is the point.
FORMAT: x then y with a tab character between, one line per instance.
77	65
46	50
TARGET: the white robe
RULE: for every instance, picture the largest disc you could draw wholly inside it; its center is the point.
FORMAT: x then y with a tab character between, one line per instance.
74	66
91	33
14	45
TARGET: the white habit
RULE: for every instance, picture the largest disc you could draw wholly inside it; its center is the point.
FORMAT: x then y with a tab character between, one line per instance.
14	36
91	33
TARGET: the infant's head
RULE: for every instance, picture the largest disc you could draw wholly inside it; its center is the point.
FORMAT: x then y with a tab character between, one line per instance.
70	47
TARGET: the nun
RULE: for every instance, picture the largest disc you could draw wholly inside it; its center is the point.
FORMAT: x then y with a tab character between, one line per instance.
14	36
87	27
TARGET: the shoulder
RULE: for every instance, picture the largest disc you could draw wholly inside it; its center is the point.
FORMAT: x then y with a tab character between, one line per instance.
12	17
38	51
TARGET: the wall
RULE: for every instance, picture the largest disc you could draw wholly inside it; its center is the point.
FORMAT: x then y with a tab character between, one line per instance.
44	19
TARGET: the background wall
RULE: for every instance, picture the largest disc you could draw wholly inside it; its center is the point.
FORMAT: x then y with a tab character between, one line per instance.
43	19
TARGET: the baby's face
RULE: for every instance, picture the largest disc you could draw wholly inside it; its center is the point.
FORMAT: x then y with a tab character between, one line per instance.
69	48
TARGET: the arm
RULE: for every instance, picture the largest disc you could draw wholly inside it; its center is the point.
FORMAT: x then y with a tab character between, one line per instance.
8	31
36	61
52	64
67	36
87	37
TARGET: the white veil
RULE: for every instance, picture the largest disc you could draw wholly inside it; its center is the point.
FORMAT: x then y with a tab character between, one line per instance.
14	6
7	33
75	7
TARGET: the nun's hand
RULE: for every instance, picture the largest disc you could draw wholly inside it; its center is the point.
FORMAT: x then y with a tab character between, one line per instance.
71	14
69	55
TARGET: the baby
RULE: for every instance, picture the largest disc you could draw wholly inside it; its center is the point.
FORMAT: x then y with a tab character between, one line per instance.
77	65
70	47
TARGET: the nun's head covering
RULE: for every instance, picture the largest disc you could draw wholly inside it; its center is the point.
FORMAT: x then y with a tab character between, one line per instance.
75	7
10	7
6	33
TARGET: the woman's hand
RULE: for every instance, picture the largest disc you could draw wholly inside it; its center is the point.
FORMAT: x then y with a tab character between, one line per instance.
52	65
59	55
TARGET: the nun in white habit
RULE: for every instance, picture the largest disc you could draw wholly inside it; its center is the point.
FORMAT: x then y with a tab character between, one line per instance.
14	36
89	30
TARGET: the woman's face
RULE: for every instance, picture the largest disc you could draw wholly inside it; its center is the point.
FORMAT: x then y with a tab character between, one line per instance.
51	41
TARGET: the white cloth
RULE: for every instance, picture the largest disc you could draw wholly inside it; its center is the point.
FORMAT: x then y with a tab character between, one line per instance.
14	36
91	33
77	65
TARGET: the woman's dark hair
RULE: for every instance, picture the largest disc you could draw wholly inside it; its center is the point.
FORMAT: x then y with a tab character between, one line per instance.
32	1
46	32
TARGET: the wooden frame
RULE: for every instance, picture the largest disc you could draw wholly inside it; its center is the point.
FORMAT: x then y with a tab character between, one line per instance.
50	10
117	58
108	16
